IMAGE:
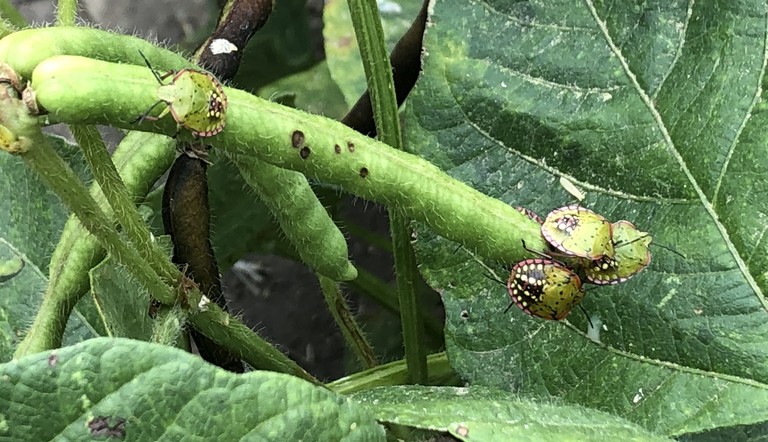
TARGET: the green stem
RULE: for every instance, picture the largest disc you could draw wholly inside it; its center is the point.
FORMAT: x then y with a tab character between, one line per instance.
169	326
43	159
77	90
378	71
12	15
125	210
67	12
395	373
141	158
381	292
236	337
346	321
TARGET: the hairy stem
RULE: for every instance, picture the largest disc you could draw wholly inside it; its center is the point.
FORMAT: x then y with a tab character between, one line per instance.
125	210
378	71
344	318
66	12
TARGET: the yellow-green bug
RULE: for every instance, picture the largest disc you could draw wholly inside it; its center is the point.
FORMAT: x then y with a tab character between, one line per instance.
194	98
577	231
632	254
544	288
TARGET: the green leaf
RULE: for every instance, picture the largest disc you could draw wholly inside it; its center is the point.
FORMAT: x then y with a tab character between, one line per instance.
341	48
485	414
160	392
655	110
31	219
122	302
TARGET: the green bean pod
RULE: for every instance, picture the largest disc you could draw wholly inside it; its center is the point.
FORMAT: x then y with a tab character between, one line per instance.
86	91
301	216
24	50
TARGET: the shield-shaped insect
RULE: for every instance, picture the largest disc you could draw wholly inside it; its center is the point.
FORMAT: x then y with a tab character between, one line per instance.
194	98
632	254
544	288
577	231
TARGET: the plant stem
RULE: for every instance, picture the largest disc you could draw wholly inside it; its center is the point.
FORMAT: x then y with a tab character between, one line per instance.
236	337
67	12
384	294
125	210
378	71
346	321
43	159
395	373
12	15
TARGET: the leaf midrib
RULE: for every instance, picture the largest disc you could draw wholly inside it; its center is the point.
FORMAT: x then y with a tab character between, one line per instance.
674	152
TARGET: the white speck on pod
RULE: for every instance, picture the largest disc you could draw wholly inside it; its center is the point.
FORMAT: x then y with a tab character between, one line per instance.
222	46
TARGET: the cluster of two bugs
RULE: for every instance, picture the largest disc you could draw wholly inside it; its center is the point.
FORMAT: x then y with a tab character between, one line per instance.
588	247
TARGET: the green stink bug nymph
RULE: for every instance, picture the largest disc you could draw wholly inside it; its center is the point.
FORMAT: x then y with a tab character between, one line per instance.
632	255
578	231
544	288
194	98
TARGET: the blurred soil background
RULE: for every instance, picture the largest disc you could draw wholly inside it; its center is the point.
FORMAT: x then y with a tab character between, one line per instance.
276	296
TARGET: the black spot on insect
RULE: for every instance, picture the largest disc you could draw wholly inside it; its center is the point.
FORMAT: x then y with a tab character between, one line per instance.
351	146
297	139
363	172
304	152
337	148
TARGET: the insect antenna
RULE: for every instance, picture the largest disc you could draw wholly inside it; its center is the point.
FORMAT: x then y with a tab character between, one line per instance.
670	249
591	325
157	77
145	116
508	307
537	253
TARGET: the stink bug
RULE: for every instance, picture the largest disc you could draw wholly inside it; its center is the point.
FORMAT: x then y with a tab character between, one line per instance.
544	288
577	231
632	255
194	98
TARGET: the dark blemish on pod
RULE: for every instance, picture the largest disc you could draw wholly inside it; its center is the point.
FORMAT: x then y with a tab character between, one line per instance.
363	172
351	146
337	148
304	152
297	139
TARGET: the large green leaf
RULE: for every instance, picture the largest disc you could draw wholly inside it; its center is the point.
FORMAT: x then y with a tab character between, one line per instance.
487	414
31	219
655	109
158	392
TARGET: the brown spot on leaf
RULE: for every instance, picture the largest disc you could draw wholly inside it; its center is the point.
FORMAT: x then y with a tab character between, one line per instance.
304	152
297	139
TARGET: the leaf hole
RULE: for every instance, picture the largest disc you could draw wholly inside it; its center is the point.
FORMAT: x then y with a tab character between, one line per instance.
297	139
